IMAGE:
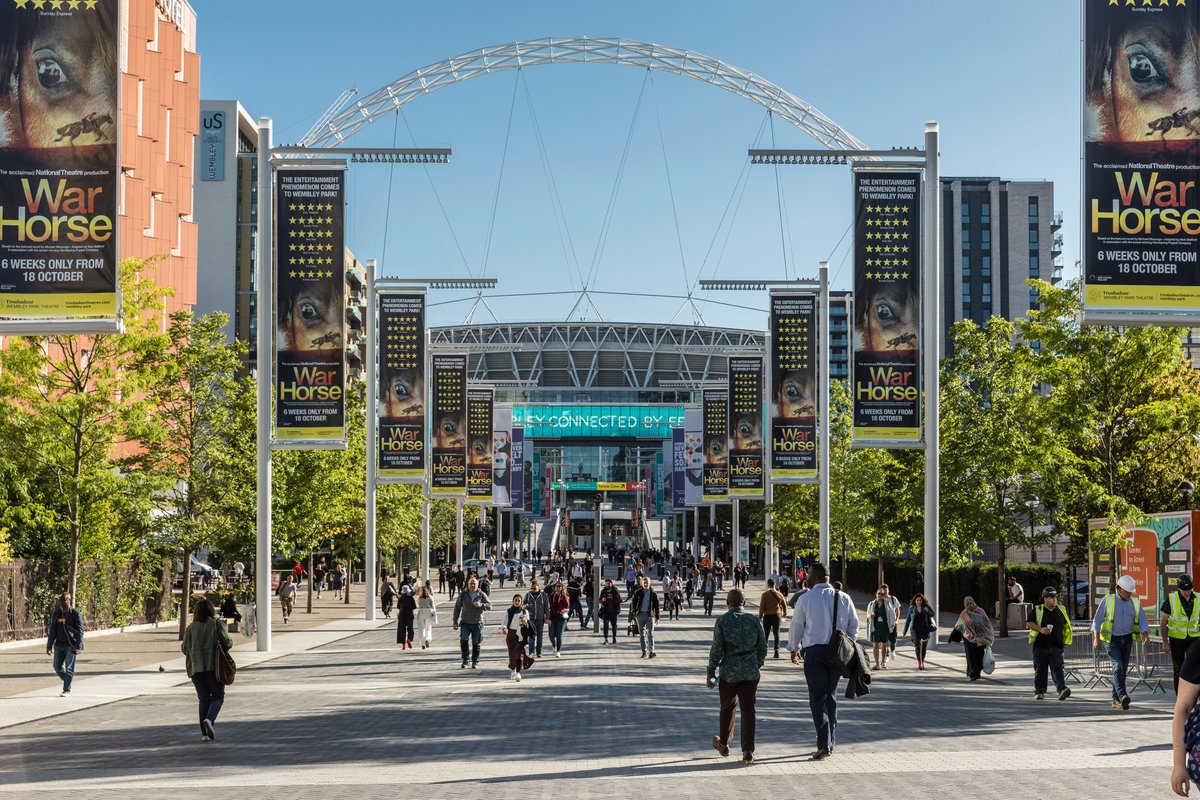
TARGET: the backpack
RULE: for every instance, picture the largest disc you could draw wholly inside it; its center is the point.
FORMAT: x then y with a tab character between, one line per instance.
1191	743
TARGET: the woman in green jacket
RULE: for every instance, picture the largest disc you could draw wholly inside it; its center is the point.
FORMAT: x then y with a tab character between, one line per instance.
199	645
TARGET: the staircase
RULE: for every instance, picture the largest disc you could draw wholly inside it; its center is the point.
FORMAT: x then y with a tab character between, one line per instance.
546	534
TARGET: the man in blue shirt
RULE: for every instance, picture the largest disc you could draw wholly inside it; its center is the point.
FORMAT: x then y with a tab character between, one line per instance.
1120	621
808	639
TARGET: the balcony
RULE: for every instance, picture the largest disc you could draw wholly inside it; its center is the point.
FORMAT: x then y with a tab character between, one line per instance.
354	316
1056	221
1056	246
354	279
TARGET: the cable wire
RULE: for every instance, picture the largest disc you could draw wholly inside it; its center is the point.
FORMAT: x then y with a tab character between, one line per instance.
670	187
438	196
487	248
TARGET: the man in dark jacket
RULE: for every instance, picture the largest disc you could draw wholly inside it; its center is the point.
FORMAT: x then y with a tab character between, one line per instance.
65	640
643	607
610	609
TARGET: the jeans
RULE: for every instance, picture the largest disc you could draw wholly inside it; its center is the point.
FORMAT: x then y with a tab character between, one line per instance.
921	646
1048	659
474	632
608	621
587	617
1118	650
708	605
741	694
557	626
64	664
645	623
771	624
822	683
211	694
575	609
535	641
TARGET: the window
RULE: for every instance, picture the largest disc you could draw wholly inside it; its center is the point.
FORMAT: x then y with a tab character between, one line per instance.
966	238
966	293
1033	265
966	265
985	213
966	213
986	266
986	239
1033	210
966	311
1033	236
987	293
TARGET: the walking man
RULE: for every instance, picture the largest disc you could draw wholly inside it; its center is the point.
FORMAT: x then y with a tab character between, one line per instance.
808	640
643	607
1120	621
708	590
772	608
468	621
610	609
538	606
65	640
739	649
1181	613
1049	632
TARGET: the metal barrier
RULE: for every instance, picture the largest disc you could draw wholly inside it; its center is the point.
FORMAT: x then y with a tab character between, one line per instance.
1149	666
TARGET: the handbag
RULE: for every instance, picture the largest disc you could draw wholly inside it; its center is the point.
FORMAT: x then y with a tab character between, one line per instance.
223	664
989	661
840	652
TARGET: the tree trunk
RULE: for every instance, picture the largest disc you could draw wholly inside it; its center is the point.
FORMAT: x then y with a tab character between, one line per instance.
308	609
349	575
878	569
185	596
1003	591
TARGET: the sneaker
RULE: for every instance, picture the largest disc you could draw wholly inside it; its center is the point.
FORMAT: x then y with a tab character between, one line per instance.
1125	702
464	665
643	655
1065	693
1039	696
823	754
518	678
720	748
557	654
474	666
652	655
747	758
892	656
513	676
65	693
1117	704
208	729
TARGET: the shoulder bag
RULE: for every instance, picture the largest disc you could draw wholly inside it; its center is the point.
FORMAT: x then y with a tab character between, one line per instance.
223	664
840	652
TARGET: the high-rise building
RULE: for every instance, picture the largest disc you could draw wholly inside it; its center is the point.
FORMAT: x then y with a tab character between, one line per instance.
996	234
160	118
841	318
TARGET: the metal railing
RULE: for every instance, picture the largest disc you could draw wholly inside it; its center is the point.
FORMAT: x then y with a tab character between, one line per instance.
1149	666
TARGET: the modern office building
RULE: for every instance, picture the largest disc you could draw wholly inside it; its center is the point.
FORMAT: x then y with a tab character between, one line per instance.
841	317
160	118
996	234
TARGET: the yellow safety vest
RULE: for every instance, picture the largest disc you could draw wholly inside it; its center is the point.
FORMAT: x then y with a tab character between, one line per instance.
1179	624
1037	612
1106	626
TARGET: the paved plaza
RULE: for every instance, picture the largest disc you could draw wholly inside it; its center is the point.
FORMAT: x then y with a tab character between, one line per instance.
342	709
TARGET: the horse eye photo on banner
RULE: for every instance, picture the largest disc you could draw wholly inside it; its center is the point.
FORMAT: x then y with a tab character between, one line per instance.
403	393
310	312
450	431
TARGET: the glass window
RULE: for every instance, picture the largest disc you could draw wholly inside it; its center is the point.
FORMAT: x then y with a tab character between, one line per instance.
1033	210
987	293
966	311
966	292
1033	236
1033	265
986	266
966	238
966	212
985	213
986	239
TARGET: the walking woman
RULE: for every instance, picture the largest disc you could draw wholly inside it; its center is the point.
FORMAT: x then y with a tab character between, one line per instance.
388	596
426	616
559	614
406	607
923	624
516	620
199	645
976	631
882	619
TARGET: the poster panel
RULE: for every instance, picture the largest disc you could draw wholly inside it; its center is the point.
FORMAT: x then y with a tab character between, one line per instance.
679	465
502	457
479	444
401	390
518	483
661	478
715	405
58	160
310	307
887	307
1141	148
746	426
693	448
1157	550
448	466
537	488
793	340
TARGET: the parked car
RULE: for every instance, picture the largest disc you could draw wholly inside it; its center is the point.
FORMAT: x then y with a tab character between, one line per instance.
1080	590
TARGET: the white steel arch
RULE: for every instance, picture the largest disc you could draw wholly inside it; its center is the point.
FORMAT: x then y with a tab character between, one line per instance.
574	50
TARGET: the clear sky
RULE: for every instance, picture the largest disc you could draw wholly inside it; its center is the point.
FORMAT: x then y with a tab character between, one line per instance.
1001	77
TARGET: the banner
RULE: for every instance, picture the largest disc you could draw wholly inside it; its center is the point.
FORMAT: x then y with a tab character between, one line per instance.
793	344
537	488
502	457
310	338
745	426
401	390
58	160
479	445
693	448
518	485
887	307
1140	154
661	477
448	468
715	406
679	465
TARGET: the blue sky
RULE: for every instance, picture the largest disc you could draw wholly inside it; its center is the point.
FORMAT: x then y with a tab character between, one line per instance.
1002	79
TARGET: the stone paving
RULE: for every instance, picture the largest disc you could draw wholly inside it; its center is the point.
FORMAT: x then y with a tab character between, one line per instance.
361	717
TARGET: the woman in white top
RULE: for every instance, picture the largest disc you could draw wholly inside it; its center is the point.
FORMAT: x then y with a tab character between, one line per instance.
426	617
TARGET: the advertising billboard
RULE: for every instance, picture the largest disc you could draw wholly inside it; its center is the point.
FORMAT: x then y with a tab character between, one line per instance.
1157	551
887	308
1141	147
479	444
715	407
565	421
58	160
401	390
517	486
746	426
448	465
793	342
679	465
693	449
310	339
502	457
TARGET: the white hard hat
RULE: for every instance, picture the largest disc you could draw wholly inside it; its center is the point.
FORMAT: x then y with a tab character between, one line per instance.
1127	583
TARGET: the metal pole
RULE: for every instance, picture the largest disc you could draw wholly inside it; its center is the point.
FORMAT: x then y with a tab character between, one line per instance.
372	452
932	345
265	271
482	537
597	579
425	570
458	543
823	402
770	565
696	533
737	532
713	536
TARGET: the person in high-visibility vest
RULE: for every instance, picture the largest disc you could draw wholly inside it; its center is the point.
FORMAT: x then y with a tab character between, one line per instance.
1049	632
1180	623
1120	621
